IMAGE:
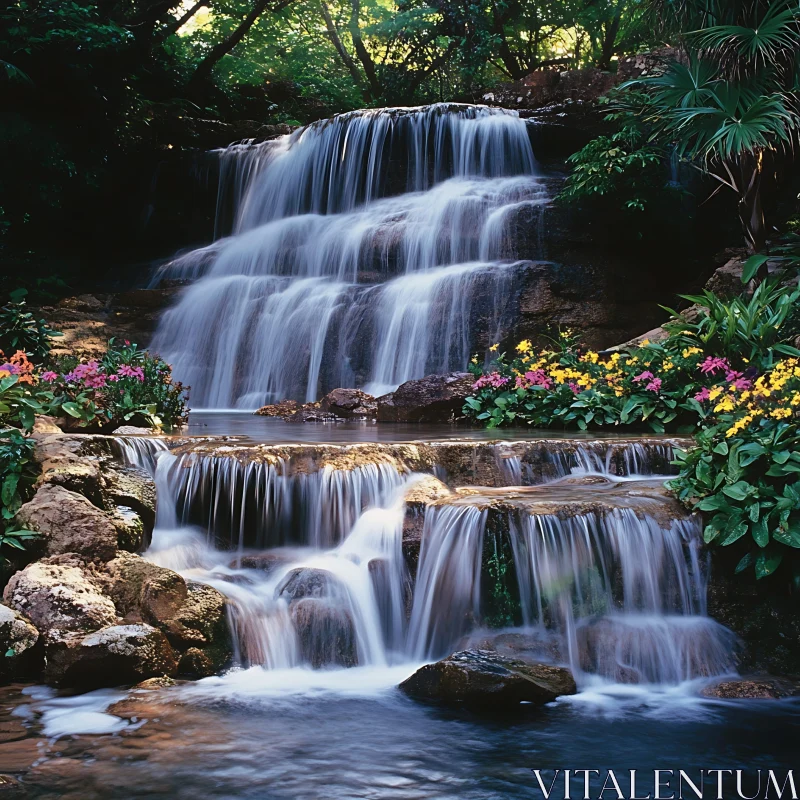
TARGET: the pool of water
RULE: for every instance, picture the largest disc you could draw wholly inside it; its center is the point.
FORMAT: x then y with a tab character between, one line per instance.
344	735
271	429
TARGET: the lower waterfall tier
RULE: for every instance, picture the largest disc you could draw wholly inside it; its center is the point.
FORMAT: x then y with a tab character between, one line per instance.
380	555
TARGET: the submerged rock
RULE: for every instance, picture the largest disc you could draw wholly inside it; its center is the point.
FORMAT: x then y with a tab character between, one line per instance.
434	398
69	523
59	598
485	679
305	582
326	634
113	655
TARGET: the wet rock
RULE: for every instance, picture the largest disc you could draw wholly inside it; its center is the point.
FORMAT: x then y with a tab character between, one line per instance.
130	529
434	398
284	409
63	463
266	562
18	639
427	490
349	403
484	679
201	622
326	633
114	655
131	488
58	598
195	664
305	582
69	523
760	688
163	682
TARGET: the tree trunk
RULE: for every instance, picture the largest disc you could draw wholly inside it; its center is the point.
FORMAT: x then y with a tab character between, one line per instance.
336	41
751	209
175	26
226	45
361	51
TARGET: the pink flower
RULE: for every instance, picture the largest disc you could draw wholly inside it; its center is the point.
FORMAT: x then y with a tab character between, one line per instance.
112	378
742	384
575	388
702	395
645	376
127	371
95	381
713	364
493	379
534	378
49	376
654	385
12	368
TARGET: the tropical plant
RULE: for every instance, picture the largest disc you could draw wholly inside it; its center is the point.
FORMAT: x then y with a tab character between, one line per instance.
731	109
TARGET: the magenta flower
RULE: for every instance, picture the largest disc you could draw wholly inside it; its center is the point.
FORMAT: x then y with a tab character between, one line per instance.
112	378
645	376
49	376
127	371
714	364
534	378
741	384
575	388
493	379
702	395
12	368
95	381
654	385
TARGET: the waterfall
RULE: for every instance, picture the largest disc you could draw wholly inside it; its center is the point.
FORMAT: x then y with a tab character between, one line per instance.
447	593
368	250
139	451
625	592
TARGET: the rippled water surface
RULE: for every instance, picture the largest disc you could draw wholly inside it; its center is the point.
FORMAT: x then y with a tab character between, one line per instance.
345	734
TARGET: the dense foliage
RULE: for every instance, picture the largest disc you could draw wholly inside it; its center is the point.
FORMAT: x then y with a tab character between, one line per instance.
726	372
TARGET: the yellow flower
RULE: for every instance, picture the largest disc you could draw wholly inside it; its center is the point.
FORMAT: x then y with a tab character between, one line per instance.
691	351
493	348
591	357
474	360
715	393
667	366
645	342
524	346
781	413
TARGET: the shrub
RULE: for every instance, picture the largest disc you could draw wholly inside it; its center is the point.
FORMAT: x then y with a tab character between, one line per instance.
21	330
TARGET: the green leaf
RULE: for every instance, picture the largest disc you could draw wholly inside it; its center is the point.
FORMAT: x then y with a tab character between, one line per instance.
745	563
761	533
735	534
767	561
73	409
473	403
10	652
722	449
751	267
739	490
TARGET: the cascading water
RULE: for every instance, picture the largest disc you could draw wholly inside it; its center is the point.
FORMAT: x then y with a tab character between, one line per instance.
312	563
365	250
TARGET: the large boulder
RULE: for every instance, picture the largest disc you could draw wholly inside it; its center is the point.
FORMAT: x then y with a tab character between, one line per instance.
434	398
69	523
349	403
325	633
142	590
756	688
484	679
59	598
113	655
18	638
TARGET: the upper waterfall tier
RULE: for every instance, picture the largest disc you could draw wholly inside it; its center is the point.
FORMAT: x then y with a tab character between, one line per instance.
368	250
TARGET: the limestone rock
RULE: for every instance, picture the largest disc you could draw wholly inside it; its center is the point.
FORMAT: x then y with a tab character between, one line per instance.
58	598
434	398
42	424
196	663
427	490
284	409
18	638
484	679
200	621
113	655
326	633
266	562
132	430
69	523
143	590
349	403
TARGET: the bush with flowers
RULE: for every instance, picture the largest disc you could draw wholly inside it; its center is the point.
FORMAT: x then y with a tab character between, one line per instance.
727	374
